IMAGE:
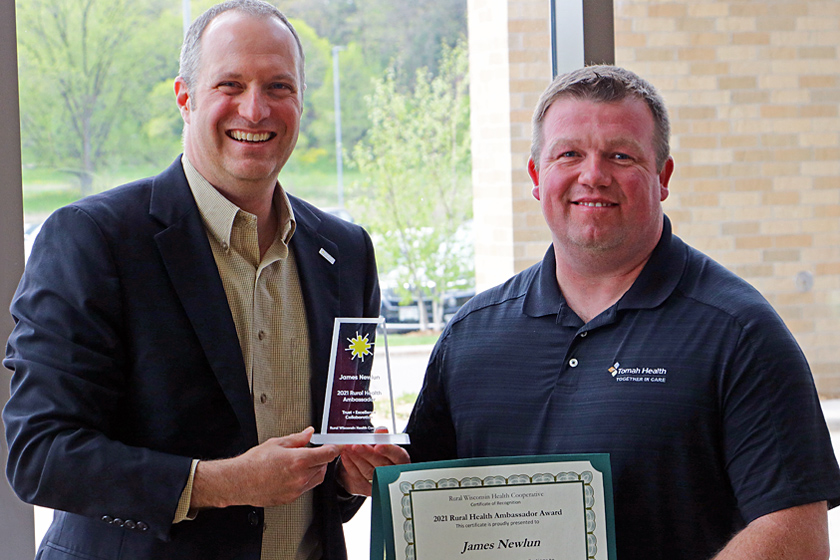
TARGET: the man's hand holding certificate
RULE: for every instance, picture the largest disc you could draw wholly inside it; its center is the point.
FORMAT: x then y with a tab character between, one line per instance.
358	462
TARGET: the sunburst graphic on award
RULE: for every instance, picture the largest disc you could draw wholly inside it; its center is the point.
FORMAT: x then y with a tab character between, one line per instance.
359	398
359	347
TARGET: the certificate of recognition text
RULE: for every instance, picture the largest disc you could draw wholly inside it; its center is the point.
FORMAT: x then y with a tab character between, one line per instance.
535	508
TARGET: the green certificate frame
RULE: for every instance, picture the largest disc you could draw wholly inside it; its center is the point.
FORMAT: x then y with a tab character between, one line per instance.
546	507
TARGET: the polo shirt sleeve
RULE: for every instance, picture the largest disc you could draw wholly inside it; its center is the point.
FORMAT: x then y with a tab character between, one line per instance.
777	449
430	426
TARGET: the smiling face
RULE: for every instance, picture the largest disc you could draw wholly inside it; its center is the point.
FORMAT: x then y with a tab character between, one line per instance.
597	181
242	116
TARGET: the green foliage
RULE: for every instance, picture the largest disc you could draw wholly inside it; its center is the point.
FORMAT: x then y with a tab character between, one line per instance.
316	143
412	35
407	34
315	182
355	77
45	202
413	339
318	63
415	194
96	84
161	131
86	70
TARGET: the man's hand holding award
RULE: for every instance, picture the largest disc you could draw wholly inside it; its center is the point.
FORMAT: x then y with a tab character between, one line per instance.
358	400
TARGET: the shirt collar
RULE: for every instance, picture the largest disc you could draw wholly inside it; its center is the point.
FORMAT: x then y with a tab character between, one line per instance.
543	296
219	213
655	283
661	274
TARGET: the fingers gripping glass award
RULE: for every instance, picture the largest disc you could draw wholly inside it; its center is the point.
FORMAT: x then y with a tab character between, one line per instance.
359	399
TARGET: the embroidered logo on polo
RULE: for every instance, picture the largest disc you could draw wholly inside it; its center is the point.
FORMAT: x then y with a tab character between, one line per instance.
638	374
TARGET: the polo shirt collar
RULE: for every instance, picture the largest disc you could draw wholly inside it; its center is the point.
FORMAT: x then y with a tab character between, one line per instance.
655	283
661	274
543	296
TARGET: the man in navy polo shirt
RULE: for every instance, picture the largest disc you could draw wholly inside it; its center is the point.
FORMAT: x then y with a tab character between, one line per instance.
627	341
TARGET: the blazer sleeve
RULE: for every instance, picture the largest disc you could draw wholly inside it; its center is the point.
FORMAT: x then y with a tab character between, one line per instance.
68	355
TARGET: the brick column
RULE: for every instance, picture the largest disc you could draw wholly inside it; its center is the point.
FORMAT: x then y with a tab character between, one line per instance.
510	66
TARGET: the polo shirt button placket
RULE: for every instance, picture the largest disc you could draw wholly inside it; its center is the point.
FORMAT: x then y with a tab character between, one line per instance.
573	362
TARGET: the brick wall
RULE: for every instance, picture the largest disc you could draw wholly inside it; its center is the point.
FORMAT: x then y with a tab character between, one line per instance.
753	88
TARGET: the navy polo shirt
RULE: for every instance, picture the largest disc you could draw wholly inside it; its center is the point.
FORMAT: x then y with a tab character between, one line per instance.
691	382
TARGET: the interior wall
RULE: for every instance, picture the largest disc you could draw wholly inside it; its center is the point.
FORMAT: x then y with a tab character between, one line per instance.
753	89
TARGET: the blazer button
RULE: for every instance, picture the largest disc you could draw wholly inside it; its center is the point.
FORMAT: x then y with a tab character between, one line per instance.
119	522
142	526
129	524
253	518
108	519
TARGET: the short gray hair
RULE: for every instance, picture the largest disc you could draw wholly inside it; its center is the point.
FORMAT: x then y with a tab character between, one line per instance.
604	84
191	49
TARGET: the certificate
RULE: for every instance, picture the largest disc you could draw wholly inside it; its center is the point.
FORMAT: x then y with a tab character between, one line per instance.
550	507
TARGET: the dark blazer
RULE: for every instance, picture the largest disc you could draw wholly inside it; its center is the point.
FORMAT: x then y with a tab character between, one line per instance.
127	365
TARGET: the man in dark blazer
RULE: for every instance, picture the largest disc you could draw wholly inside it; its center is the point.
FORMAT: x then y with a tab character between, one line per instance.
130	396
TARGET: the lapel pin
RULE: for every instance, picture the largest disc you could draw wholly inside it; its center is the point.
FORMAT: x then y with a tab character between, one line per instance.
330	258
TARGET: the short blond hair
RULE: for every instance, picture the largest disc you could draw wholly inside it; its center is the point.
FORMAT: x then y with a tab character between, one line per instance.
191	49
604	84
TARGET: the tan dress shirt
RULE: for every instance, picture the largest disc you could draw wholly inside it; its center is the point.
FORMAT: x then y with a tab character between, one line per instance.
267	306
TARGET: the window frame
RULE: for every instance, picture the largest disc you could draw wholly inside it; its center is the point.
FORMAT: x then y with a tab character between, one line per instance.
17	532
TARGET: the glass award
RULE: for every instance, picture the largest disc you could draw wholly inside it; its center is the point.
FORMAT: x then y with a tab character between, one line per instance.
359	399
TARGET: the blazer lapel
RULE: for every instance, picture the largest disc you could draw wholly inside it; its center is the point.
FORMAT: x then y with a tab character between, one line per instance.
189	262
319	281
